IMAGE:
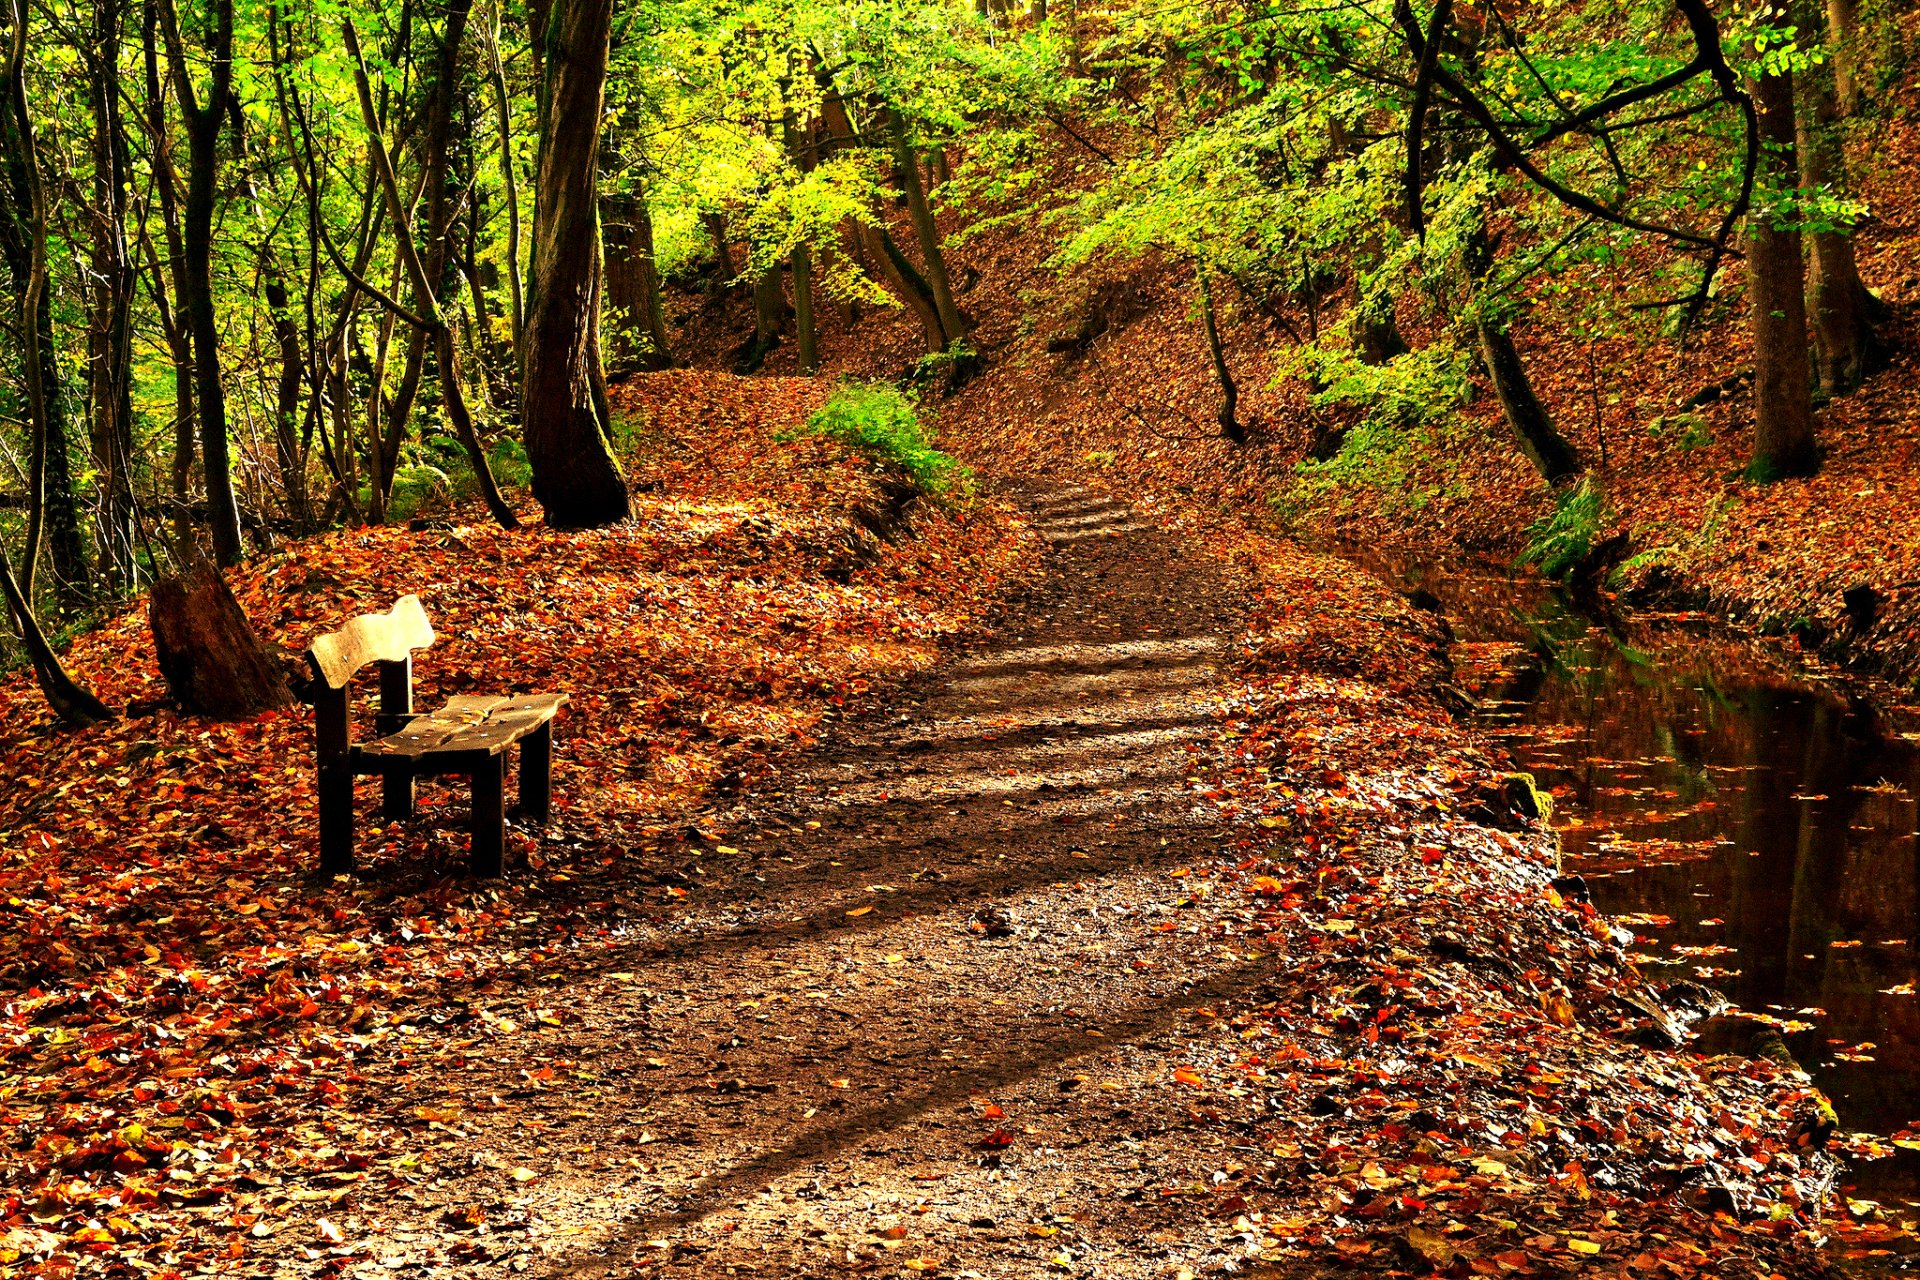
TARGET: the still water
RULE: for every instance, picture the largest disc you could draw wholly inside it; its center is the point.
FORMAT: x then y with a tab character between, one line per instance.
1755	823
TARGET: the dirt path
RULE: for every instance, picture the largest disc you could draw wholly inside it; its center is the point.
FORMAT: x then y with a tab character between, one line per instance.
921	1008
951	1002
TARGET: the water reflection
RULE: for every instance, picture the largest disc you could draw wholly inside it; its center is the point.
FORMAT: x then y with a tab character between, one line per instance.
1757	825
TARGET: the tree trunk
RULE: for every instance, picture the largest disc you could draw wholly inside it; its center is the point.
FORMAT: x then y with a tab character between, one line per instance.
208	654
77	707
1532	425
897	270
655	296
639	331
1843	48
110	322
291	458
204	123
872	244
52	513
1229	390
769	316
426	293
951	325
172	324
1840	310
716	225
575	475
510	181
1783	441
803	320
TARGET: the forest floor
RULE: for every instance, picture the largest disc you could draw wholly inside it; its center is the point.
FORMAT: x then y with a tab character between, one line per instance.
1177	929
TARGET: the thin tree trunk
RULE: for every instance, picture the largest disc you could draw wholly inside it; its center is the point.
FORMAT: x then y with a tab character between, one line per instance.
172	324
882	255
52	513
204	123
1783	442
428	320
951	325
1843	49
769	316
1229	390
897	270
510	182
655	295
632	286
290	457
807	333
110	344
75	705
716	225
380	479
1532	426
562	400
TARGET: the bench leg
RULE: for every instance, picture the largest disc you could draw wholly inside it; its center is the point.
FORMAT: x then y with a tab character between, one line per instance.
489	816
336	820
536	774
396	796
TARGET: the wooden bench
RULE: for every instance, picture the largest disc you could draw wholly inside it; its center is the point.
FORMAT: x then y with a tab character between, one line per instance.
469	735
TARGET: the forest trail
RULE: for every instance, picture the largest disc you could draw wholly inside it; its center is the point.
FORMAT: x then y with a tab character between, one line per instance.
931	1021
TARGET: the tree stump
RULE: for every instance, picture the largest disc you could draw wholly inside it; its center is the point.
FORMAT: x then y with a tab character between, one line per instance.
209	656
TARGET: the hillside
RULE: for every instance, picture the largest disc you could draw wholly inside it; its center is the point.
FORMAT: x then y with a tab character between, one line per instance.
1103	372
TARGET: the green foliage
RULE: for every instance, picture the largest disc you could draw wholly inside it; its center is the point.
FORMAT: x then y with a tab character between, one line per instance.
1406	407
1561	539
508	461
882	423
1687	430
416	488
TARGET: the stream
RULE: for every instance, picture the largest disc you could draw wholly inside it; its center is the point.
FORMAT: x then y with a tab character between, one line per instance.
1754	823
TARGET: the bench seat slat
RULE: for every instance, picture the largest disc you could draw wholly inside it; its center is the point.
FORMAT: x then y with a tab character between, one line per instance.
475	727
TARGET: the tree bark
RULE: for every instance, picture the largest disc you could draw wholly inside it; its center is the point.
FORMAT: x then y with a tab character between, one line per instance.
562	400
1532	426
1783	442
1843	49
510	182
208	654
75	705
807	331
172	324
110	322
639	332
52	512
204	123
898	270
769	316
952	326
1840	310
288	454
1229	390
716	225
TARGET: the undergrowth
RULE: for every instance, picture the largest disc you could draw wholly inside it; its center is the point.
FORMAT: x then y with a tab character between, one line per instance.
883	424
1560	539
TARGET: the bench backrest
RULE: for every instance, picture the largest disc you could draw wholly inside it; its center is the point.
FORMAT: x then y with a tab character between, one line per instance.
339	656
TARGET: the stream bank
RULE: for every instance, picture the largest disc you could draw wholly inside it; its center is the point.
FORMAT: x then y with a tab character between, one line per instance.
1752	818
